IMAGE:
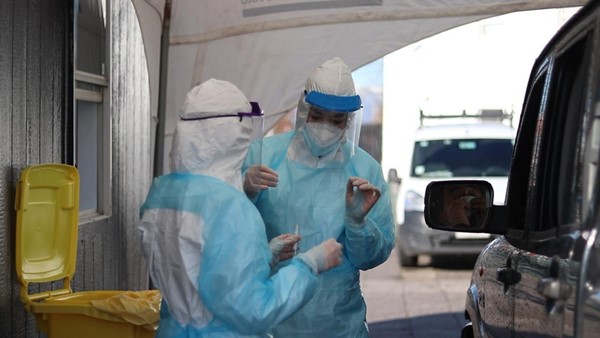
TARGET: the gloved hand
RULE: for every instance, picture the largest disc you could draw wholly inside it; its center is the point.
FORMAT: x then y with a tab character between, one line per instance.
324	256
259	177
282	247
360	198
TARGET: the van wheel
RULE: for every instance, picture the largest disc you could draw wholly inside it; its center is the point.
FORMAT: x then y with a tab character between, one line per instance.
467	331
407	260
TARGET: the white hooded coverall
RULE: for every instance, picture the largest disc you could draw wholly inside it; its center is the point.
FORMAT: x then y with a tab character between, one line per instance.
205	242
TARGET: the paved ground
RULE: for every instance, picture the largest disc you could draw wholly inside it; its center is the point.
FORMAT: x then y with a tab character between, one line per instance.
423	302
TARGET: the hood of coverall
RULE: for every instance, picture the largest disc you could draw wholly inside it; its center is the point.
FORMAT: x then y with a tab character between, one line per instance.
207	144
329	87
333	77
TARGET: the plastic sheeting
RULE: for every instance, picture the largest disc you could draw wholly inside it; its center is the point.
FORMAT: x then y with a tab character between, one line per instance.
136	307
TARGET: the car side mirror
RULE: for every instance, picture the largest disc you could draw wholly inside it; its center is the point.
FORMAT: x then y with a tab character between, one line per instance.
462	205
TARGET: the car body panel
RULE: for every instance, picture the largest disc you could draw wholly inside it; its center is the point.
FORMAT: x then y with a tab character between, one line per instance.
589	313
416	238
500	314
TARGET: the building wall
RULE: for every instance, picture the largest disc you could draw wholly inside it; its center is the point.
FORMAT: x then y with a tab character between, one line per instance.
35	110
33	103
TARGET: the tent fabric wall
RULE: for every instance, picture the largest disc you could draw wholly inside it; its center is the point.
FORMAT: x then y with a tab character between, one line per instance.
267	48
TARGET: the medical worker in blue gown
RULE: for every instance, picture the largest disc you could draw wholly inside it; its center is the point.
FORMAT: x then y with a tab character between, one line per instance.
205	242
317	180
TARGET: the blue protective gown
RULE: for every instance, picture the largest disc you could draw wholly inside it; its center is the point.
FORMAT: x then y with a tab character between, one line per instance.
314	198
235	283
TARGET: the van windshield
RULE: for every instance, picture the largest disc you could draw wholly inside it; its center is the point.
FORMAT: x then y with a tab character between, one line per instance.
462	158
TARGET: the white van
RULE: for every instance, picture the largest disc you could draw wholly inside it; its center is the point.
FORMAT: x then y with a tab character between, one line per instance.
465	147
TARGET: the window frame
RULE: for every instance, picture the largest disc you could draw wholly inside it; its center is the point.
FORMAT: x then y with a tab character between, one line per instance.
538	167
518	189
564	165
102	98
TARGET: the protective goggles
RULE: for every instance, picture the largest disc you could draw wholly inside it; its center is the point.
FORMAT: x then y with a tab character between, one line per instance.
255	113
256	117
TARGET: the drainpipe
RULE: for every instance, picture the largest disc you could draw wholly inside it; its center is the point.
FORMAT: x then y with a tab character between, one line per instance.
159	148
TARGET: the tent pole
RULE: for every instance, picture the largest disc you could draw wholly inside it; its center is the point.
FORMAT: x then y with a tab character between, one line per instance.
159	148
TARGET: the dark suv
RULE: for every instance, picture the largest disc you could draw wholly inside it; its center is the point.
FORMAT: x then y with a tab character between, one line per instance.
541	276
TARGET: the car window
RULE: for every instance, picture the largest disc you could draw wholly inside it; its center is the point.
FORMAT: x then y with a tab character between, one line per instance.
557	176
518	185
572	68
545	187
462	158
590	170
592	157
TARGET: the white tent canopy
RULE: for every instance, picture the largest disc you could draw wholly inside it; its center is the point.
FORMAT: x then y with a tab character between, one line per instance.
268	47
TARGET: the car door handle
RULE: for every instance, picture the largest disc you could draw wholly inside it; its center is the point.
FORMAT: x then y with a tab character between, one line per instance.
508	276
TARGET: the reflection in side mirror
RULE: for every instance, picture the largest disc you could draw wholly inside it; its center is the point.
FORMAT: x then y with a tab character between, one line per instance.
458	205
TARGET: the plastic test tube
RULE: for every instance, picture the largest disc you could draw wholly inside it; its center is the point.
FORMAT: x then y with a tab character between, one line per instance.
297	232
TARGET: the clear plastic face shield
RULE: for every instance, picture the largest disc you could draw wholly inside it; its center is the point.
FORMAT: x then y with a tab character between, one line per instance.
256	117
330	118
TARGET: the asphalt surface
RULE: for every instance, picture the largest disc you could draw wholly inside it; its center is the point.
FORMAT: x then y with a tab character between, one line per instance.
423	302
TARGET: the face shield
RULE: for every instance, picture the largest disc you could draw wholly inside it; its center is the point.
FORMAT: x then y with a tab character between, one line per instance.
328	121
256	121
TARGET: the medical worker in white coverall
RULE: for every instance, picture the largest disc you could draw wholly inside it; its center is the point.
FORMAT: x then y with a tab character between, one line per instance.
316	180
205	242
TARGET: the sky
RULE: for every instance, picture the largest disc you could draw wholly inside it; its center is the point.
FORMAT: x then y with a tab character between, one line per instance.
482	65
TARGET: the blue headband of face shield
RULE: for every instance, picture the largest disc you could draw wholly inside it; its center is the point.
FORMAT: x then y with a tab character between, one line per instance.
333	103
256	112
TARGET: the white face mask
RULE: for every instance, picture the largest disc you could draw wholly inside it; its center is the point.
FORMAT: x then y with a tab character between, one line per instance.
322	138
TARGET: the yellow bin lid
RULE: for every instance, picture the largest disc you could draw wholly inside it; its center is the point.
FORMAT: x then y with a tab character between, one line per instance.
47	205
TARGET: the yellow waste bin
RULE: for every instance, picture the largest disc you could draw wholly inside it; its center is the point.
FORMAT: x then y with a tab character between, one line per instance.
47	205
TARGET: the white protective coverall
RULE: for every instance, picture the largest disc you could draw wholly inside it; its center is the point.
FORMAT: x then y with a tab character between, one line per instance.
205	242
